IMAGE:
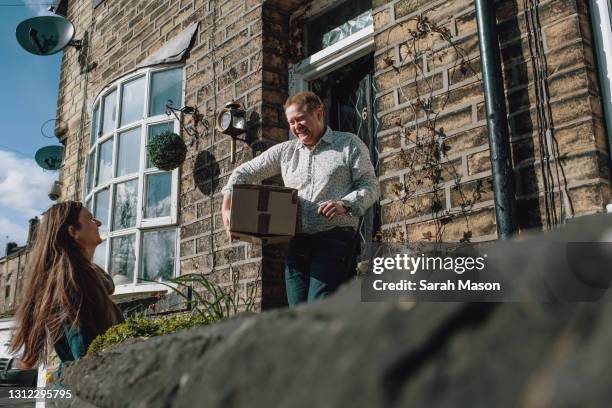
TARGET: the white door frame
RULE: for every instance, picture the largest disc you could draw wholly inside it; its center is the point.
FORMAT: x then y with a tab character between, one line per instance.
329	59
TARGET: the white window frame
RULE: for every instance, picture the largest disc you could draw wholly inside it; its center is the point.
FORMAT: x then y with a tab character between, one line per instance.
606	30
142	225
330	58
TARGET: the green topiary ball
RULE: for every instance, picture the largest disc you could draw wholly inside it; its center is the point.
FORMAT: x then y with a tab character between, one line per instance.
167	151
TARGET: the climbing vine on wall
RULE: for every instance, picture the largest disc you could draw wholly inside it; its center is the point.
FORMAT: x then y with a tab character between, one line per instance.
425	142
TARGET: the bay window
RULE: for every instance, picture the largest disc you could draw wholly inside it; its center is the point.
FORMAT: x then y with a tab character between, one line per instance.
135	201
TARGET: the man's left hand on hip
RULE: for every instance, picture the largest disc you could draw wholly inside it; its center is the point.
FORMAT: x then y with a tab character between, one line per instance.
330	209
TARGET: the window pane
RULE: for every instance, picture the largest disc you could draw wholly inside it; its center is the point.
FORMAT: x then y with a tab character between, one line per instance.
89	173
126	198
338	23
99	257
94	125
165	85
122	259
156	130
101	210
105	161
158	254
158	188
109	112
128	155
132	101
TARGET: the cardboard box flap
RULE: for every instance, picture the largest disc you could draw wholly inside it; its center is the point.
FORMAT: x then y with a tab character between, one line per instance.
269	188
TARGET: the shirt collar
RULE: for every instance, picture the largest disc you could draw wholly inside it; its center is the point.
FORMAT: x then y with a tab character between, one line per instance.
327	138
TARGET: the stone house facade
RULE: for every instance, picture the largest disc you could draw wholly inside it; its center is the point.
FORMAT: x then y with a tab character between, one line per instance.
13	270
11	281
387	66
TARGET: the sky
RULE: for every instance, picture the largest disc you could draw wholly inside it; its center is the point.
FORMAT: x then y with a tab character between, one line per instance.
29	85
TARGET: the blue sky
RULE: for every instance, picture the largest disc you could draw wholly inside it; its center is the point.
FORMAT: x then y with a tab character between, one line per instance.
29	84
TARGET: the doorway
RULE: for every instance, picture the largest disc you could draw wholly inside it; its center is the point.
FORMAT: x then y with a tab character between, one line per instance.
339	67
348	95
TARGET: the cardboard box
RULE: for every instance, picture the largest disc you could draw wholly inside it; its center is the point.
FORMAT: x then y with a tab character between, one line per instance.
263	214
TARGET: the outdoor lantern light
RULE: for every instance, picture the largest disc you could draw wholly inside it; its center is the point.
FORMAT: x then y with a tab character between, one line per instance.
232	121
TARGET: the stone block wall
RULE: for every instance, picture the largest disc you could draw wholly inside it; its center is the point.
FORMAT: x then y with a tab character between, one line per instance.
581	185
574	104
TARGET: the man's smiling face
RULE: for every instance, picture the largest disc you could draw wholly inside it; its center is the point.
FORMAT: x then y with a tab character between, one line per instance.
306	126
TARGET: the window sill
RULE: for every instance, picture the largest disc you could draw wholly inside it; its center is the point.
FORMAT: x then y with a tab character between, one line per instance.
124	293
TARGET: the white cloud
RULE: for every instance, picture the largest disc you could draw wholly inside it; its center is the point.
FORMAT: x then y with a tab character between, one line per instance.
23	185
38	9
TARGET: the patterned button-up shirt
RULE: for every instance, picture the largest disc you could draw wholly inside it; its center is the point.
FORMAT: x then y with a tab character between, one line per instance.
337	168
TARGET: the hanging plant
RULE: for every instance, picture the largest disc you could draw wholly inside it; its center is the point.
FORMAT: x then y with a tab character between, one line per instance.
167	151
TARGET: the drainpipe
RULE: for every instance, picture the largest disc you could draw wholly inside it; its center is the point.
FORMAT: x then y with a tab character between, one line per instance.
497	122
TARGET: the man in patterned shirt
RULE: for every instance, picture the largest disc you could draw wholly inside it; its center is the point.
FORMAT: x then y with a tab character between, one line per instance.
336	184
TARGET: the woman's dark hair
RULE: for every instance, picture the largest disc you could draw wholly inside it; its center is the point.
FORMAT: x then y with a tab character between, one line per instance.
63	287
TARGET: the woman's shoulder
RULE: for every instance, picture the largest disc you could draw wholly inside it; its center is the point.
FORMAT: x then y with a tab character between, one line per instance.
110	287
106	279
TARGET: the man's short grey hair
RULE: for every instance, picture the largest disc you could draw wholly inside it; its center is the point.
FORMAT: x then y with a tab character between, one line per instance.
308	100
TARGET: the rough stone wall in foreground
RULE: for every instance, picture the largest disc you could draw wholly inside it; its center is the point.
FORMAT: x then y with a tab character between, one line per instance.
380	354
435	354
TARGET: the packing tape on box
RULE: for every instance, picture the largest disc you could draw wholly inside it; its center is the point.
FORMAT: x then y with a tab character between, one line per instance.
263	223
262	200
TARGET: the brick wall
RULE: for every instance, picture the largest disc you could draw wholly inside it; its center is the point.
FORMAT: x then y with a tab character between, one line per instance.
574	104
230	39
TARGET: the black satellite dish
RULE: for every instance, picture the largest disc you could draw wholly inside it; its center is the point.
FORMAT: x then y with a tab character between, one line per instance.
49	157
45	35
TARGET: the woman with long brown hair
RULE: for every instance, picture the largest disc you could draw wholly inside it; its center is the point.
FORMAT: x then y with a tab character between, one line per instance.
66	301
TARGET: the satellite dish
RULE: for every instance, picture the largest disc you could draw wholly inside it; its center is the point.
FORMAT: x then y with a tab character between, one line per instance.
50	157
54	128
45	35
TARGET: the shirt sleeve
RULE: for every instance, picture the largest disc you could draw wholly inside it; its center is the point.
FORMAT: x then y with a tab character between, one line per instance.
266	165
365	188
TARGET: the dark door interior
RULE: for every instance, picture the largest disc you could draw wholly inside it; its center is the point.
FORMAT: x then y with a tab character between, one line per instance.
348	95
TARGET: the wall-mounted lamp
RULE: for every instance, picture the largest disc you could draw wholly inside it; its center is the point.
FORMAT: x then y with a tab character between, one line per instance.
233	121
